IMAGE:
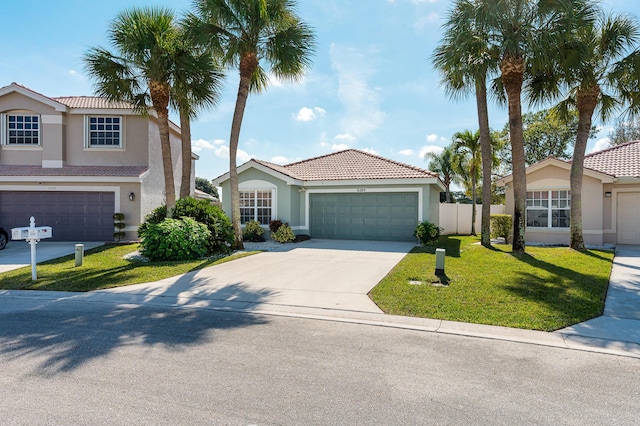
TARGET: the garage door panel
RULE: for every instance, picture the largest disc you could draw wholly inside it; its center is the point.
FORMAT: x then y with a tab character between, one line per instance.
628	218
74	216
371	216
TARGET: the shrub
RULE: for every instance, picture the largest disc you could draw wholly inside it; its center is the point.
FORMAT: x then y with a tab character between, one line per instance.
427	233
274	225
501	226
175	239
253	232
221	232
284	234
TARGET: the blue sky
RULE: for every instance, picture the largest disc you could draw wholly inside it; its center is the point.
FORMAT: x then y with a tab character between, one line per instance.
371	87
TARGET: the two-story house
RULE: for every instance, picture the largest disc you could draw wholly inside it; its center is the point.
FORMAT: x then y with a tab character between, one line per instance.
72	162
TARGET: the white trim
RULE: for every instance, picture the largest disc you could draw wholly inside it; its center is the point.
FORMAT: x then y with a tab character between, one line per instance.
108	148
68	179
603	177
66	188
52	164
307	222
252	164
102	111
274	200
33	95
373	182
50	119
4	137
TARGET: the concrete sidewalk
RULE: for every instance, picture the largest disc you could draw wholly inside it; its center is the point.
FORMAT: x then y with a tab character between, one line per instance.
621	318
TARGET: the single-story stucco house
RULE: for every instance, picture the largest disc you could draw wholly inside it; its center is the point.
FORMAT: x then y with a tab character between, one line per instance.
349	194
610	198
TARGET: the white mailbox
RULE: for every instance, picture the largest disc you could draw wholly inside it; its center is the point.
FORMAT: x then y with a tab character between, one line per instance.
32	235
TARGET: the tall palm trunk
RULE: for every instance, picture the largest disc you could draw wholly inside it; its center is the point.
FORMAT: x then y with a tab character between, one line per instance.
487	156
159	92
512	69
248	65
473	201
586	102
185	128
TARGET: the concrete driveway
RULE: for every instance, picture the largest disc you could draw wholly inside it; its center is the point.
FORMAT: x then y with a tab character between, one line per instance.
326	274
18	253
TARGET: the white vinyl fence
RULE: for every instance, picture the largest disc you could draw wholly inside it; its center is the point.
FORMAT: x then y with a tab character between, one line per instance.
456	218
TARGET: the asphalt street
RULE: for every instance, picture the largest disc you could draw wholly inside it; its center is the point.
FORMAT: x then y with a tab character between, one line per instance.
78	362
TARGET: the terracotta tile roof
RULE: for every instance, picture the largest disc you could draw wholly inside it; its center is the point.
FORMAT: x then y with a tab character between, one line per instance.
350	164
618	161
91	102
98	171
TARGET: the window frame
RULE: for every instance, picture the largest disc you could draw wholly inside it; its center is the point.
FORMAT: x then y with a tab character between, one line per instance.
256	205
5	129
549	202
97	147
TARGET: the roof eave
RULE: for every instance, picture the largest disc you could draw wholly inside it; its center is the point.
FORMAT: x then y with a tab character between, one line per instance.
13	87
255	165
375	182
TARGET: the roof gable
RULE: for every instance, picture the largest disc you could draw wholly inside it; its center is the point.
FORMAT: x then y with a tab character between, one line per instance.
18	88
562	164
619	161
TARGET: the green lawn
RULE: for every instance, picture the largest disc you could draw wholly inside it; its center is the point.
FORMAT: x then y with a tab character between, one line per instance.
103	267
545	289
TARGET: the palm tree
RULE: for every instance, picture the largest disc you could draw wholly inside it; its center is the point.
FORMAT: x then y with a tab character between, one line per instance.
442	164
465	59
468	161
141	70
598	68
196	85
248	35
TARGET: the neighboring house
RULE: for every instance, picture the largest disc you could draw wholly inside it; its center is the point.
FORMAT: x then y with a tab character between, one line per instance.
610	198
345	195
72	162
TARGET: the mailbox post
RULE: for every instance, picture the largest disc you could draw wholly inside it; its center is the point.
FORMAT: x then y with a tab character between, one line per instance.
32	235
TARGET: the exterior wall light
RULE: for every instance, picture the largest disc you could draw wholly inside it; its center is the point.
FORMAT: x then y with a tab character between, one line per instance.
132	196
607	194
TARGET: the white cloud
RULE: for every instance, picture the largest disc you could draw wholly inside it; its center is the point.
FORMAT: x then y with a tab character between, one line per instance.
73	72
601	144
339	147
428	149
432	137
361	102
407	152
201	144
222	151
370	151
345	137
280	160
308	114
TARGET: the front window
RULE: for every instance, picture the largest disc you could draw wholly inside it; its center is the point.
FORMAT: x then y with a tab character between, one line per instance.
256	205
23	129
105	132
548	209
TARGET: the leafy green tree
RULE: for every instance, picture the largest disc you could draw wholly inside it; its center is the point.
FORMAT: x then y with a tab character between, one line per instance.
205	185
624	131
141	69
442	164
249	35
196	85
546	134
598	69
465	58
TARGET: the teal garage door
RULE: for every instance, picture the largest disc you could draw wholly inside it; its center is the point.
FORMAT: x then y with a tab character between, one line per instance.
383	216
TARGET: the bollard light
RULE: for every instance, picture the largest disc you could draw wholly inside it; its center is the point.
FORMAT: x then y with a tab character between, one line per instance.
79	254
440	261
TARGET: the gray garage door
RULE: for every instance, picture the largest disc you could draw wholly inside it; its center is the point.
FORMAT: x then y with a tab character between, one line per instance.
364	216
74	216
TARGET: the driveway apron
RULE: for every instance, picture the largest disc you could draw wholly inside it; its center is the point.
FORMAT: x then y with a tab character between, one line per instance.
325	274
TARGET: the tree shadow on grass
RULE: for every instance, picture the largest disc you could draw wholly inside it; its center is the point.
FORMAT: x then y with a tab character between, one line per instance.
69	331
571	296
